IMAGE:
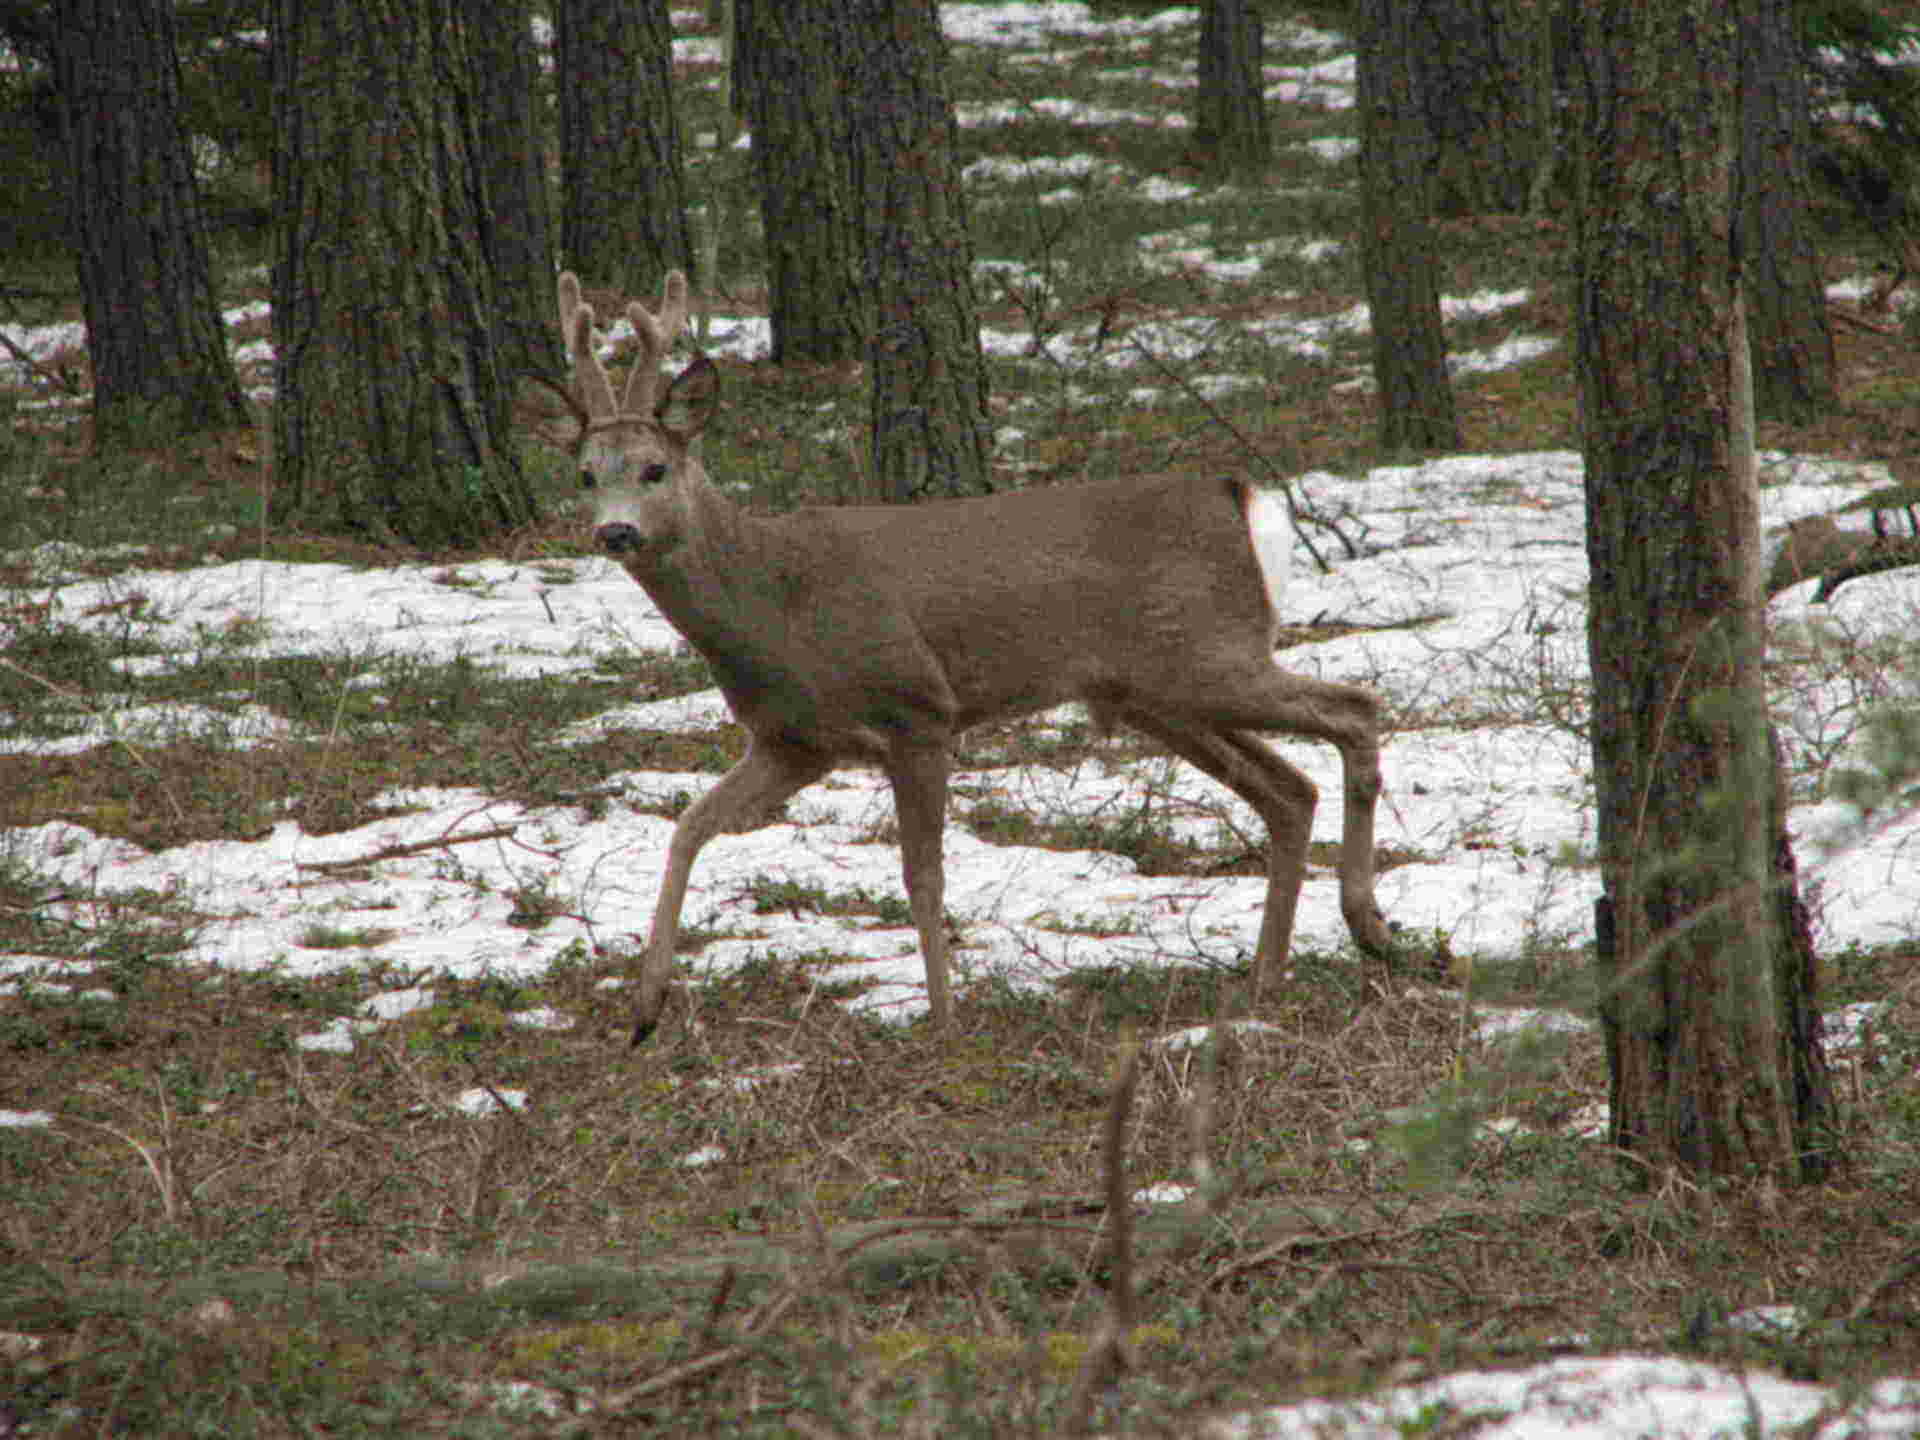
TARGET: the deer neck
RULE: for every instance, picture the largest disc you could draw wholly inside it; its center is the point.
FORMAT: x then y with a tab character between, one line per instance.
694	538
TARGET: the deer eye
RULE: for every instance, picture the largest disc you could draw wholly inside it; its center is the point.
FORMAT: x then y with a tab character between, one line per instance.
653	474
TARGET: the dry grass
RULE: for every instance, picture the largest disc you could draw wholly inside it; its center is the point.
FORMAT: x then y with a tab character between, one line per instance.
930	1222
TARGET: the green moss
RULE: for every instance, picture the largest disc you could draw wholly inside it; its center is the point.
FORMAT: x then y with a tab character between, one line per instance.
602	1343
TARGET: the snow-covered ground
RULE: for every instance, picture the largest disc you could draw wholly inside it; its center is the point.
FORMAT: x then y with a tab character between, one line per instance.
1477	561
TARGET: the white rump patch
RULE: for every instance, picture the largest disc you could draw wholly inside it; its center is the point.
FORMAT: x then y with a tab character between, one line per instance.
1272	533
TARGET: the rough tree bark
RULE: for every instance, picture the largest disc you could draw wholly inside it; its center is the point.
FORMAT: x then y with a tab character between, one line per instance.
928	378
1230	120
788	80
1707	969
154	334
1793	359
391	417
1396	233
513	170
1486	76
623	191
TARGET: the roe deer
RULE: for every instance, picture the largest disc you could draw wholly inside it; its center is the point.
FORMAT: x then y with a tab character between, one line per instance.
876	634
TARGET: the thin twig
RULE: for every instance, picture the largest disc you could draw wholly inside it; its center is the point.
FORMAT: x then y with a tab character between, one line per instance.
106	718
1887	1278
159	1165
1300	513
703	1365
1109	1357
24	358
717	1304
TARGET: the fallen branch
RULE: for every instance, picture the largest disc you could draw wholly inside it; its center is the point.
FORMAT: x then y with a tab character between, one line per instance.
394	852
1902	1266
1861	321
25	360
701	1366
1887	554
1281	1249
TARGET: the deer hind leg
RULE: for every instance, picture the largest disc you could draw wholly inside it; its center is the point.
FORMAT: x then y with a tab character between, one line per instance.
744	796
1216	739
918	774
1349	719
1282	797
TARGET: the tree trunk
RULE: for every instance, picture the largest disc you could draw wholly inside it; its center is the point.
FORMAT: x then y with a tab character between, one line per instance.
1230	123
928	378
513	170
1793	363
1486	76
1706	964
154	333
623	205
391	419
789	75
1396	233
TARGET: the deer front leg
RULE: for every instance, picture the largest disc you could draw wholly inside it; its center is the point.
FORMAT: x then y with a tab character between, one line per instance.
918	774
760	783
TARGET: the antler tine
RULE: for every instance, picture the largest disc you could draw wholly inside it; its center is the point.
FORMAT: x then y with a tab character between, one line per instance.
569	302
656	333
574	407
674	304
576	331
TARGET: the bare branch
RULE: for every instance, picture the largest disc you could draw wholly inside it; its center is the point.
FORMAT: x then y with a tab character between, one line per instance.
1109	1356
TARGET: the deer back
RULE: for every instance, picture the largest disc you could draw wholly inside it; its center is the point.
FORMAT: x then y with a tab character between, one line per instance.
1111	588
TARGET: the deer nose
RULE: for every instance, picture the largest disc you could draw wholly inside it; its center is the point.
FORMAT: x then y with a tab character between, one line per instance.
618	537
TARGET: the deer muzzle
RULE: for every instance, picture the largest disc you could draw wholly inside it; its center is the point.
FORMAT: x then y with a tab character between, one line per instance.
617	537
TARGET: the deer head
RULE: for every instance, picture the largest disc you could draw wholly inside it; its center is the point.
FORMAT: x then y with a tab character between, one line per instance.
636	448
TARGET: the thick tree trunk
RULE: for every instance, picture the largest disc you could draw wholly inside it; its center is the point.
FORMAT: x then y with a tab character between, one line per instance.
1230	123
391	417
1396	234
928	378
154	334
1486	76
513	170
1706	966
789	75
1793	362
623	206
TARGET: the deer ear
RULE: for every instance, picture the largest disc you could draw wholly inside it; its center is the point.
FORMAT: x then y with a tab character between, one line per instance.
688	404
